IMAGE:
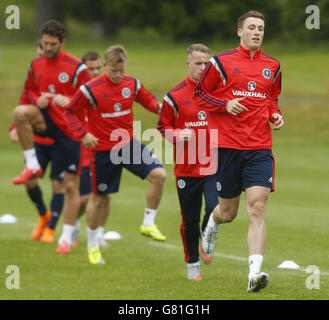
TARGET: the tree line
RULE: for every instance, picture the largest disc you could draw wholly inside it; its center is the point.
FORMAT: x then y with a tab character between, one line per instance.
188	19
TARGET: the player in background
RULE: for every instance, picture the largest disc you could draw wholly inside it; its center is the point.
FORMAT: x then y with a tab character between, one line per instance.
94	64
182	123
44	152
109	100
52	79
240	88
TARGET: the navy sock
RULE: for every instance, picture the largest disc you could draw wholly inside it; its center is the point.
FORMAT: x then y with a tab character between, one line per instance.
56	207
35	195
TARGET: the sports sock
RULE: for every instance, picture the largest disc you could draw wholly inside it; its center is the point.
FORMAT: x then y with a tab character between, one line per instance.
149	217
92	238
67	233
255	263
100	232
31	159
56	207
35	194
212	223
75	233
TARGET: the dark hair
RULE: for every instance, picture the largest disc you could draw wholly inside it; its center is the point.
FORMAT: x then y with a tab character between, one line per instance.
39	44
90	55
249	14
53	28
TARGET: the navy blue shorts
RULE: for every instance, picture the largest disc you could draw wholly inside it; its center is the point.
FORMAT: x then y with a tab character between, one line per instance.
85	181
45	154
242	169
64	147
106	166
190	191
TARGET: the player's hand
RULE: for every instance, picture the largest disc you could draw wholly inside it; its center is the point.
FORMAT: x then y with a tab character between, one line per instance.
277	120
61	100
89	140
43	102
234	106
158	107
186	134
13	136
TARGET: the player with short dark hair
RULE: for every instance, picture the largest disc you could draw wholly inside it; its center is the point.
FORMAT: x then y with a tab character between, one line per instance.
109	99
52	79
186	126
93	62
240	88
44	150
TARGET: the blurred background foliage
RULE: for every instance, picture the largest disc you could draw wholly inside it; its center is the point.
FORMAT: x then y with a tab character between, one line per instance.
172	20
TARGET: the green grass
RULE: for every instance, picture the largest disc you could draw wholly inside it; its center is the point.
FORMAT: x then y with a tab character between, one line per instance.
139	268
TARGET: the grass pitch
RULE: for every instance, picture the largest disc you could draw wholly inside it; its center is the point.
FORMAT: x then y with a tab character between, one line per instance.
139	268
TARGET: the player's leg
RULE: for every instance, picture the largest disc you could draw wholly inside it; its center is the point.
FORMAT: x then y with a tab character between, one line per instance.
28	119
70	152
210	193
56	207
145	164
229	189
70	211
35	194
154	192
105	179
57	200
93	209
190	200
84	190
258	174
102	219
43	152
256	198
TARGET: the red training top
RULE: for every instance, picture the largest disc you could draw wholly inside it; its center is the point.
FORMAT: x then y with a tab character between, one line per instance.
110	110
192	158
61	75
234	74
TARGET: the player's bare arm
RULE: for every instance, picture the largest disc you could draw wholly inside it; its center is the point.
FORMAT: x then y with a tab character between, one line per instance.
234	106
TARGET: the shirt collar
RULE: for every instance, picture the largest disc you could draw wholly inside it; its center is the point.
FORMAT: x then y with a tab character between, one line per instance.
58	57
246	52
190	82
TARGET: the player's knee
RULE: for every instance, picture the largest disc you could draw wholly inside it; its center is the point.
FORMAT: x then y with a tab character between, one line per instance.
158	175
71	187
228	218
19	113
227	213
99	201
58	186
256	211
31	184
84	200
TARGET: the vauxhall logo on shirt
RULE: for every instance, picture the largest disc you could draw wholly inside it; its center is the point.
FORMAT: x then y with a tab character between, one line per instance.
251	86
202	115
